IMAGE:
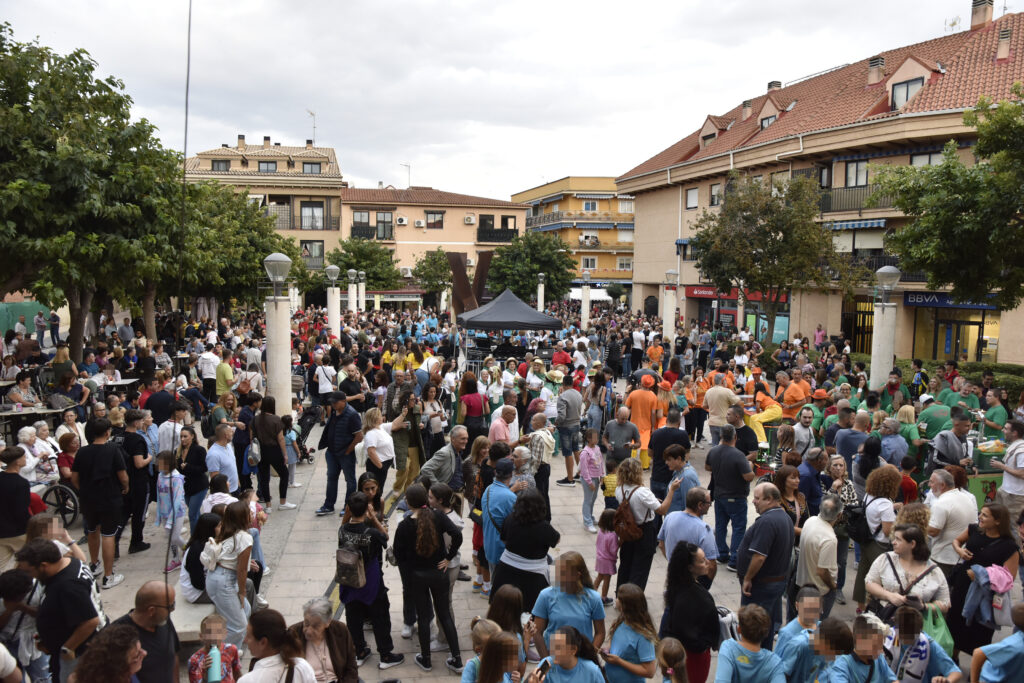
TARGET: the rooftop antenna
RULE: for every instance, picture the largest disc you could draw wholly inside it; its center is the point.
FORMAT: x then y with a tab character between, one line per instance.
313	114
952	25
408	173
1006	7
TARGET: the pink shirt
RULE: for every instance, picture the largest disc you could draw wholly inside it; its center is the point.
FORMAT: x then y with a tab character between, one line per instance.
499	432
819	336
607	545
591	463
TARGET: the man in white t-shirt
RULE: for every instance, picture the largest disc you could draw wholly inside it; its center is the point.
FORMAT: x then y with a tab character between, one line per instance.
324	375
951	515
818	560
207	365
1011	491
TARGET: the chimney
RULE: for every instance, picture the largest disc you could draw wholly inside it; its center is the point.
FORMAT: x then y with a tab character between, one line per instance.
266	141
747	110
876	69
774	85
277	144
380	184
309	144
1003	51
223	144
981	14
241	142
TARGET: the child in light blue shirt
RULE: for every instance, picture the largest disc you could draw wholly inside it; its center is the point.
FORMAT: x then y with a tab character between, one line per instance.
866	664
743	659
997	662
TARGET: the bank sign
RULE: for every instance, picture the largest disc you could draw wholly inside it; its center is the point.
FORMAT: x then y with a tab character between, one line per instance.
940	300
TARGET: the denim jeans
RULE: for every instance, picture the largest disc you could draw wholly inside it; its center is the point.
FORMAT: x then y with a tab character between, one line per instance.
769	596
336	464
194	502
257	547
589	496
627	366
716	434
222	587
732	510
842	558
422	377
567	440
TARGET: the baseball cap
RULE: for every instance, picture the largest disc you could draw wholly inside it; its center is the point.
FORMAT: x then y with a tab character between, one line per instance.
504	468
926	398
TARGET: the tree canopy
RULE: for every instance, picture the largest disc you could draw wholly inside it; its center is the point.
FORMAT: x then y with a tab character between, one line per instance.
368	256
433	272
764	238
516	265
968	220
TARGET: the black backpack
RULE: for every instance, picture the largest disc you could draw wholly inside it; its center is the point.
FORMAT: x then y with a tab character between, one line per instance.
857	526
350	558
313	381
207	424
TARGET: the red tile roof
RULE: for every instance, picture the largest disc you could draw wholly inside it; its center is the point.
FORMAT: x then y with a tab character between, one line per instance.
842	96
420	195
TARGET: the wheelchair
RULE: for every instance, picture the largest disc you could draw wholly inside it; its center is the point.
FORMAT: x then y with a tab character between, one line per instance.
60	499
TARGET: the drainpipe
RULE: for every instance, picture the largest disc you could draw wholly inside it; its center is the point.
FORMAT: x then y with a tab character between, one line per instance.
798	151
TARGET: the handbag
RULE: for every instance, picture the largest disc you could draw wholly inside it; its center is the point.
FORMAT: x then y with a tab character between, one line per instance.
935	626
886	611
252	453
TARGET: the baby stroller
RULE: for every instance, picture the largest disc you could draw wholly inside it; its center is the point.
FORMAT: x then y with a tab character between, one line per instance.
310	416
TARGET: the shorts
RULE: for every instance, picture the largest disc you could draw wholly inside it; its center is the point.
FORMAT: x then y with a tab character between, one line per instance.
107	521
568	437
481	557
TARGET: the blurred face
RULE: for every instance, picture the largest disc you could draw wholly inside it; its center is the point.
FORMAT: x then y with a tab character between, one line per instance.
135	657
845	392
797	375
902	547
69	417
566	576
806	417
370	488
809	610
432	500
460	439
700	564
761	501
561	651
991	398
867	645
313	627
985	519
186	439
793	482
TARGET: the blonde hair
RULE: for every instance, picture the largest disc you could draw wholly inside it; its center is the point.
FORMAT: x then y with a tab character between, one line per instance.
116	416
62	355
481	631
906	414
372	419
630	473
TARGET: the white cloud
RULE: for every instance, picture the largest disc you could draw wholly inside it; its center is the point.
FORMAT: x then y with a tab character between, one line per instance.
480	97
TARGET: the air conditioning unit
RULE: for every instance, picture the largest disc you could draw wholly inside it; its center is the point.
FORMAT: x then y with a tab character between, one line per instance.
402	220
420	224
470	220
470	262
406	272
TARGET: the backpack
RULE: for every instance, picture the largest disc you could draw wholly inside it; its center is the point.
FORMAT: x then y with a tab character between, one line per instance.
728	625
314	383
623	524
857	527
350	566
207	424
243	386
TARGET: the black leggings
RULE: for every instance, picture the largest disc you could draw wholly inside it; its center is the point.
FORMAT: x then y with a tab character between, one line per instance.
272	457
431	586
356	614
635	558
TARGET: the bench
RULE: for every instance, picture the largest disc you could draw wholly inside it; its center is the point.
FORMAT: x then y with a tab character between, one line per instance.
188	616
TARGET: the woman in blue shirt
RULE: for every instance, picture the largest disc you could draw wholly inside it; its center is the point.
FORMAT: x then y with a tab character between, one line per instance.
572	601
630	656
573	660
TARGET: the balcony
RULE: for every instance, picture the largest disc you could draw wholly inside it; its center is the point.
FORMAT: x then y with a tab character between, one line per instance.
282	214
873	263
370	232
578	216
495	235
609	273
590	243
313	262
852	199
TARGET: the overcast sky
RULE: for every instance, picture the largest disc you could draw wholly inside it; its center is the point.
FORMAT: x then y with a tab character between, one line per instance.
480	97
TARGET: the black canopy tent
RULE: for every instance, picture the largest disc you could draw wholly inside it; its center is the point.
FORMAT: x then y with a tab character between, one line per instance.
507	312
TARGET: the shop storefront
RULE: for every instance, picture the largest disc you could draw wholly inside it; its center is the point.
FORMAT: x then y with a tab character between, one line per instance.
949	330
713	305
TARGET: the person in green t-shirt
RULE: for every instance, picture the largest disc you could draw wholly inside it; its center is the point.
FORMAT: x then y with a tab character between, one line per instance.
894	386
819	400
933	417
995	416
965	398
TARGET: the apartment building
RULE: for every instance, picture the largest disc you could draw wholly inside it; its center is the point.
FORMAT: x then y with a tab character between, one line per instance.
593	218
413	221
298	186
897	107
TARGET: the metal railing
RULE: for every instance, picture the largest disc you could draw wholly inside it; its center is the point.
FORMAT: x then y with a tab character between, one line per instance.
597	216
313	262
364	232
852	199
282	214
495	235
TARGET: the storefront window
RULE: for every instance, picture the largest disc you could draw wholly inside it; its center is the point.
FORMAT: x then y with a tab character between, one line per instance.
960	334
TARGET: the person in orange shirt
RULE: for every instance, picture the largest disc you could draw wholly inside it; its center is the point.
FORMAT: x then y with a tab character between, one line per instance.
798	379
655	353
730	379
643	412
666	399
755	377
695	419
789	394
765	409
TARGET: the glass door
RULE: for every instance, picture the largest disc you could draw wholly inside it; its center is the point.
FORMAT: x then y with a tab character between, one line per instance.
957	340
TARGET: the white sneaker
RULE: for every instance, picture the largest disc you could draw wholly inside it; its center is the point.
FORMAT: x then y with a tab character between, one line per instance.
591	528
261	602
287	506
407	630
112	580
266	570
436	646
295	485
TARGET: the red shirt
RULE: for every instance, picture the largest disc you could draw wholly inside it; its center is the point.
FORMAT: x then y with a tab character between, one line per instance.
561	358
909	489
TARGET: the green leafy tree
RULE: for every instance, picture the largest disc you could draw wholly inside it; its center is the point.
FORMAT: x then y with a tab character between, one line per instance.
516	265
369	256
615	290
968	220
765	239
433	272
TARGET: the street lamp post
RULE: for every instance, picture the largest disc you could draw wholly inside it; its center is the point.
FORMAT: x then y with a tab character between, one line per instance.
333	299
668	308
883	338
362	290
540	291
585	302
353	289
276	309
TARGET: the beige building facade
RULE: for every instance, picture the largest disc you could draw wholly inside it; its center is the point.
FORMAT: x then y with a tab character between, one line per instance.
839	128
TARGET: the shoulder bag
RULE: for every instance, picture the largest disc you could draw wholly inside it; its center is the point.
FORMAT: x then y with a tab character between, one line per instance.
885	612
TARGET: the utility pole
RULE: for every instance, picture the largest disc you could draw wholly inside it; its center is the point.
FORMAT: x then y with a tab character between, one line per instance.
408	173
313	114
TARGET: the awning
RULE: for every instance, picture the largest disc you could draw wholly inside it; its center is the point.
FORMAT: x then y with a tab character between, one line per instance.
685	240
594	195
586	225
256	199
857	225
596	294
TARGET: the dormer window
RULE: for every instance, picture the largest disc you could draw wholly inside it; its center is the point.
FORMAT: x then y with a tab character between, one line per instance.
221	165
268	167
767	121
310	168
902	92
706	139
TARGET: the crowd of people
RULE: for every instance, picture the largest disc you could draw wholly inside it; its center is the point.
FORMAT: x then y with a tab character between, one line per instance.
475	444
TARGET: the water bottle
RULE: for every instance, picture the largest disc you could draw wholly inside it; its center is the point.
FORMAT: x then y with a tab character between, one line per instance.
213	673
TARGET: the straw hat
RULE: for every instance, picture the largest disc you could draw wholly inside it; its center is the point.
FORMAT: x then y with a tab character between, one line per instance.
555	376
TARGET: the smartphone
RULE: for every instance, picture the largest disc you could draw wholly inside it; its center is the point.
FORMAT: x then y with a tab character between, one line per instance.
544	667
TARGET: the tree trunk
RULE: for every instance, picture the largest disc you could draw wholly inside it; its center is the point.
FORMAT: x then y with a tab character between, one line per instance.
770	312
79	303
149	310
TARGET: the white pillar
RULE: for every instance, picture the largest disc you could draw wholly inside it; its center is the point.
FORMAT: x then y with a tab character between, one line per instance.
353	293
334	309
883	344
540	297
279	357
585	308
443	303
668	314
362	296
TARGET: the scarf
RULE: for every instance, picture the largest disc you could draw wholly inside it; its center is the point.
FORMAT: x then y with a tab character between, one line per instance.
913	659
